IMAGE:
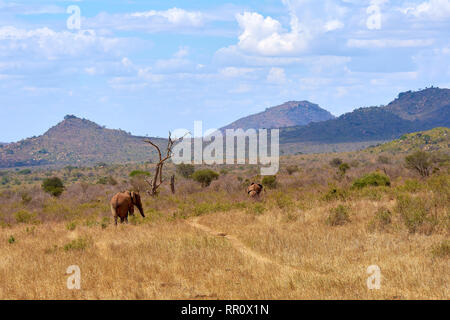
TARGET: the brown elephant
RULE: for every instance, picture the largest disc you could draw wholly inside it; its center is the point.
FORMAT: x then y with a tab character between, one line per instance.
254	190
123	204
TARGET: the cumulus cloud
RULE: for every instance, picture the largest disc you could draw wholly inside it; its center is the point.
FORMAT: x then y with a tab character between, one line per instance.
174	16
174	19
333	25
266	36
53	44
432	9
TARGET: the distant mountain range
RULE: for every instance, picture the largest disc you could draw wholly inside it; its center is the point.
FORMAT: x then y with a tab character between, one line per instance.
305	127
292	113
410	112
76	141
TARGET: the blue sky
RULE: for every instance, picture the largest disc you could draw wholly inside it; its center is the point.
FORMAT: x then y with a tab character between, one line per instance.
152	66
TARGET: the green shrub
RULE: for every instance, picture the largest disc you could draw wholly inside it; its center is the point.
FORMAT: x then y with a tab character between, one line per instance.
135	173
373	179
77	244
205	176
335	193
256	209
382	218
105	222
419	161
5	180
414	212
11	240
442	250
71	226
283	201
338	216
269	182
336	162
107	180
24	172
411	185
23	216
185	170
53	186
343	167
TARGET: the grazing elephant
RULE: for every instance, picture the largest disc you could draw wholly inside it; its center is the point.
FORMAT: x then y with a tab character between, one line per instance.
123	203
254	190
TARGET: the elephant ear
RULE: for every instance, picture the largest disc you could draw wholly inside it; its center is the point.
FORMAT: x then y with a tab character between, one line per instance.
133	197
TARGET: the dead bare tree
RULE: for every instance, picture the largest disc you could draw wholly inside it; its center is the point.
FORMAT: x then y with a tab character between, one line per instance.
172	183
158	176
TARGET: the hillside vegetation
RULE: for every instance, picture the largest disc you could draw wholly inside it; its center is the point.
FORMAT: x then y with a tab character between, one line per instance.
410	112
431	140
291	113
76	141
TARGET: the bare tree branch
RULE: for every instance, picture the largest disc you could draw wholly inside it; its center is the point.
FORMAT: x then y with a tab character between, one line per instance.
158	177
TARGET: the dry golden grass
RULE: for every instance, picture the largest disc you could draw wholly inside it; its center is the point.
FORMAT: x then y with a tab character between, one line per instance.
269	256
216	243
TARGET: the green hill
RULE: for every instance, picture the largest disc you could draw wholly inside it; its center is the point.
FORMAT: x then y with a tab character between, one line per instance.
410	112
437	139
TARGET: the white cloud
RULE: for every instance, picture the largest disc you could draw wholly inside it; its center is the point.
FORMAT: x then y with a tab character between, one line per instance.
433	9
265	36
276	76
233	72
333	25
174	16
178	63
388	43
52	44
126	62
182	52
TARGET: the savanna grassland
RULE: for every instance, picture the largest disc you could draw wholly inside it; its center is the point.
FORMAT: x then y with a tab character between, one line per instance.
313	233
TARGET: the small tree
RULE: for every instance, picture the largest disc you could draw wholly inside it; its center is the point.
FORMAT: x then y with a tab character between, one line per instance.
53	186
185	170
269	182
205	176
158	177
419	161
374	179
336	162
343	168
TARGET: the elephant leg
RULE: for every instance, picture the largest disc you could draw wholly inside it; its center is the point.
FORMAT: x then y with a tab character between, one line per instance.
115	220
122	220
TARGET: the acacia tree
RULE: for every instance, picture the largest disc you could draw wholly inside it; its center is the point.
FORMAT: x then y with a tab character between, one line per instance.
420	161
158	180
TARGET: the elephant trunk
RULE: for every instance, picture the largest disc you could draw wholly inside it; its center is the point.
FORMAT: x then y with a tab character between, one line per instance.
141	210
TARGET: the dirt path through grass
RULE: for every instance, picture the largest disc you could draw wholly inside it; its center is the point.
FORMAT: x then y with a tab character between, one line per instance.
239	246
